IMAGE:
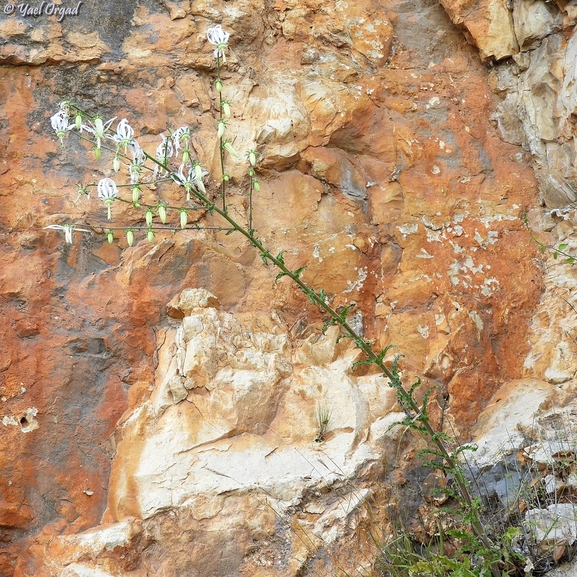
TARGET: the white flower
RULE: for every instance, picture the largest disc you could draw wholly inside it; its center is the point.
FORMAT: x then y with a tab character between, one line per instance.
99	129
61	124
68	230
163	152
189	181
179	135
107	189
124	134
138	159
107	192
219	38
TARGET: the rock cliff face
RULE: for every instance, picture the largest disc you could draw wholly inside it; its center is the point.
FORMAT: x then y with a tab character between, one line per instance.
143	440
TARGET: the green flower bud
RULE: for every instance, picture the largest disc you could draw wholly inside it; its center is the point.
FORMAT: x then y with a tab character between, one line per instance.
130	237
255	184
218	85
251	172
150	235
252	157
226	177
116	164
78	120
228	147
225	105
185	156
221	128
183	218
97	152
162	213
198	171
135	193
110	236
148	217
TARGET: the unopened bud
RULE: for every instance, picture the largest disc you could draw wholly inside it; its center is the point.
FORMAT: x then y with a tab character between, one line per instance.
218	85
162	213
226	177
255	184
130	237
228	147
183	218
185	156
226	109
110	236
148	217
78	121
252	157
150	235
116	164
198	171
251	172
135	193
221	128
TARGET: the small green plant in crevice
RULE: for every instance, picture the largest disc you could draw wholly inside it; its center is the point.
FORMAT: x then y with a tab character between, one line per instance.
324	414
558	252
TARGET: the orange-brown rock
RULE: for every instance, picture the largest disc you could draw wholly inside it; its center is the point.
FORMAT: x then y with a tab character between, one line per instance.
379	170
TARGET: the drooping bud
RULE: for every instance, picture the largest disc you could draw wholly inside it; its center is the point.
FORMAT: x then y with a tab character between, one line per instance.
226	177
225	105
198	171
78	121
251	172
150	235
185	156
221	128
183	218
116	164
228	147
130	237
218	85
135	193
110	237
162	213
148	217
252	157
255	184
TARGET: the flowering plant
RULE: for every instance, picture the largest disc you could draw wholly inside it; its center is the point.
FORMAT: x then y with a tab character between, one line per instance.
146	170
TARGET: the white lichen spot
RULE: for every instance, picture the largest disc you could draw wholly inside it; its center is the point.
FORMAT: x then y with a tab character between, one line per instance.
434	235
441	144
471	265
489	286
424	254
316	252
456	247
423	331
435	169
435	101
358	284
28	421
9	421
332	249
407	229
474	316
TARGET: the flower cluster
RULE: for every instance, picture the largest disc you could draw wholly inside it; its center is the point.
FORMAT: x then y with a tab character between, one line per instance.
172	162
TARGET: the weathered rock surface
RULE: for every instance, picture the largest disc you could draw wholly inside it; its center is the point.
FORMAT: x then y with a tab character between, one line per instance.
379	169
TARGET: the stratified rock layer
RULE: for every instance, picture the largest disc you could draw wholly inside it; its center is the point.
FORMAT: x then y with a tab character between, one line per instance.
379	170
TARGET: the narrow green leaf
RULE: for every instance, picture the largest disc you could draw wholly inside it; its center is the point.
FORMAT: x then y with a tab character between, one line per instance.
279	276
299	271
570	260
555	254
